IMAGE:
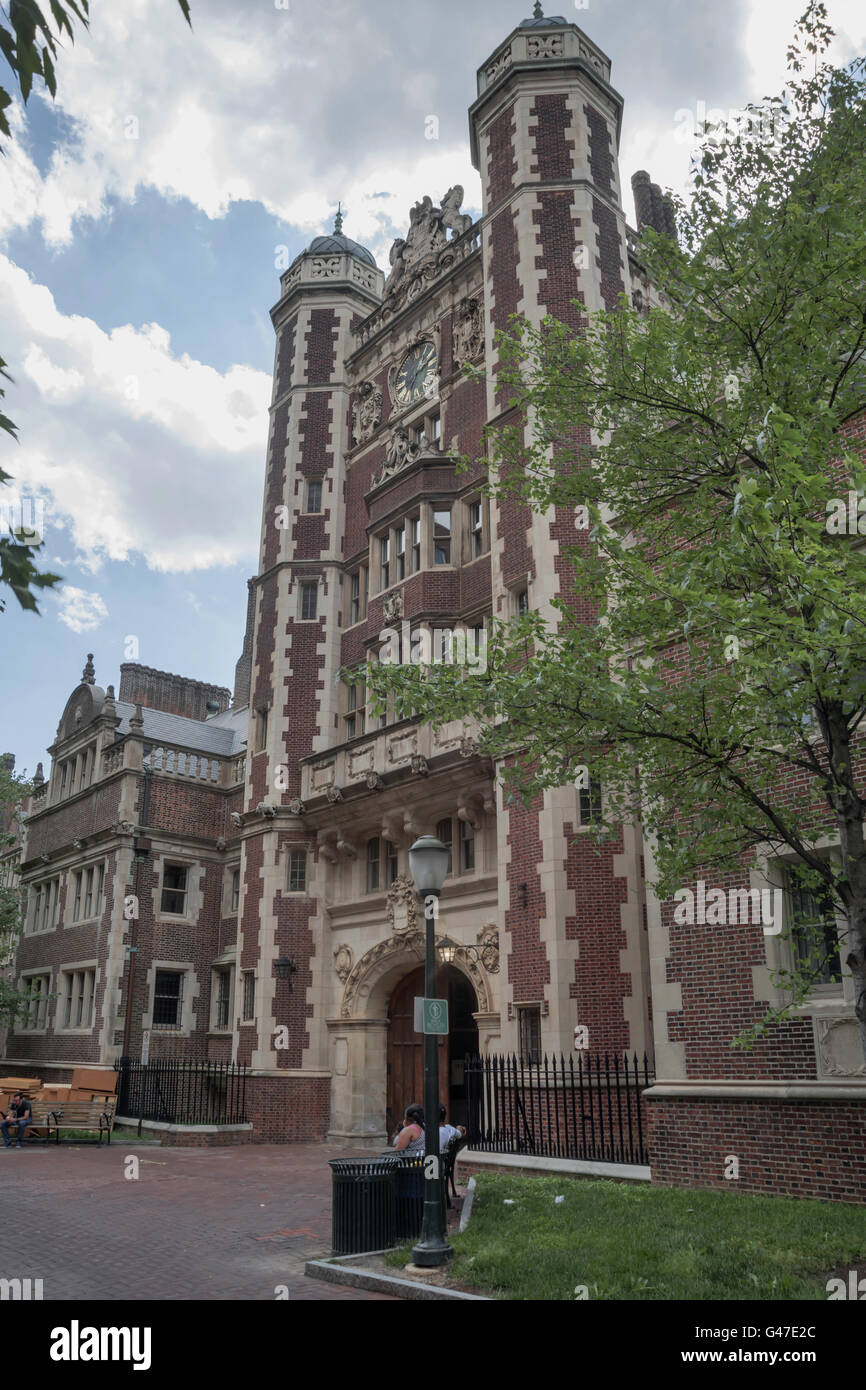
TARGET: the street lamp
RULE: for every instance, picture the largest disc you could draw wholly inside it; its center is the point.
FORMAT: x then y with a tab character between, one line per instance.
428	865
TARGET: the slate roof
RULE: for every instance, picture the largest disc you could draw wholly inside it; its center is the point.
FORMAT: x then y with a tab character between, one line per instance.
223	735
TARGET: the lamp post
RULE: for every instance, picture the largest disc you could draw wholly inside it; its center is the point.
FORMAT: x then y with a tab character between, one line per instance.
428	865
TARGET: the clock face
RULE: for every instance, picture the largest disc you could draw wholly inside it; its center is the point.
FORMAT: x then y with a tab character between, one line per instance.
416	375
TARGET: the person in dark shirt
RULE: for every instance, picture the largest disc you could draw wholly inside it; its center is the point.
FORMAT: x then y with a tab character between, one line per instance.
21	1113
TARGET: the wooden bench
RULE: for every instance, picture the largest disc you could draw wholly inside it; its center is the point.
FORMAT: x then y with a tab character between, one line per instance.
84	1114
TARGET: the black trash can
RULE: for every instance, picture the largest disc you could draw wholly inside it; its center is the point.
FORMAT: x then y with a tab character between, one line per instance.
363	1204
408	1197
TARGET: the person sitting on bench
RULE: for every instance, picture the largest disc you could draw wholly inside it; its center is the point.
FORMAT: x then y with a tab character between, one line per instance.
447	1132
409	1138
20	1113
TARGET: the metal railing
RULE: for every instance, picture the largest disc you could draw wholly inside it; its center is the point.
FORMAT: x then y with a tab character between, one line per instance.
182	1093
590	1108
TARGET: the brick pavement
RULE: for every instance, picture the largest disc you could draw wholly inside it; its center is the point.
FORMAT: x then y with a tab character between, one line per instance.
229	1223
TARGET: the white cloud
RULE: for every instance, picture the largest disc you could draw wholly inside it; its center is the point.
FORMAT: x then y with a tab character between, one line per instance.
81	610
138	452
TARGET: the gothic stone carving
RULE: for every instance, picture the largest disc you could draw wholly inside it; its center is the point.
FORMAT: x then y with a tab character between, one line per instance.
297	807
237	819
426	236
367	411
402	451
419	765
488	947
374	781
468	332
468	747
537	47
344	959
392	608
325	267
402	905
371	960
334	793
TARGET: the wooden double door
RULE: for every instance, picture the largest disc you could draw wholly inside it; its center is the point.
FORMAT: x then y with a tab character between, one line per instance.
406	1047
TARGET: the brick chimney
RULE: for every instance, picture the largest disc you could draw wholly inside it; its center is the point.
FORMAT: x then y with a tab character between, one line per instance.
169	693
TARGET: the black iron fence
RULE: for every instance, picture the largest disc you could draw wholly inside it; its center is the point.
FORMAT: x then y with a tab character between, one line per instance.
182	1093
588	1108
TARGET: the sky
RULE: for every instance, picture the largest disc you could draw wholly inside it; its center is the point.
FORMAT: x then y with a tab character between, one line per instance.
144	216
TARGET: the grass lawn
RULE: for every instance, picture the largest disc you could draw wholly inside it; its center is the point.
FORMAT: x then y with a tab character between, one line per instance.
625	1241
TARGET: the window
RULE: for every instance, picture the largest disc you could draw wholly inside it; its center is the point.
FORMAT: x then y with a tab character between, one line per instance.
444	833
46	906
309	600
442	538
476	530
373	856
88	886
401	553
529	1032
223	998
356	699
236	889
36	986
314	494
355	599
467	847
590	802
415	533
385	562
521	601
814	932
167	999
248	1008
298	871
434	427
174	890
78	883
64	768
78	994
88	892
261	730
392	862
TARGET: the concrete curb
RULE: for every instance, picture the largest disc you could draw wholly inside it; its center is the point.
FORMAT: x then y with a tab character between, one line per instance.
467	1206
339	1271
567	1167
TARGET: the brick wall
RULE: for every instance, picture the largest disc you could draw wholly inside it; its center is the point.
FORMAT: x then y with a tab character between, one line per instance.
785	1147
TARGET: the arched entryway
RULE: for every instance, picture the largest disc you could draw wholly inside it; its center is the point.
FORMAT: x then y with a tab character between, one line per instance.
405	1048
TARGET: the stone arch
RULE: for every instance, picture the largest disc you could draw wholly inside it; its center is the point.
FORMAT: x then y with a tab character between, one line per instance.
370	982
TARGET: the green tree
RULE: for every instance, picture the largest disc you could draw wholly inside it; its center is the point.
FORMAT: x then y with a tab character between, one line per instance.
720	691
29	42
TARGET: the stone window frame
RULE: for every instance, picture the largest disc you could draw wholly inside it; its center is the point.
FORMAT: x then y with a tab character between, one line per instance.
25	978
316	480
231	908
248	977
189	993
779	954
291	851
36	906
457	842
470	532
360	572
305	585
525	1012
78	880
175	861
72	970
217	974
353	706
594	790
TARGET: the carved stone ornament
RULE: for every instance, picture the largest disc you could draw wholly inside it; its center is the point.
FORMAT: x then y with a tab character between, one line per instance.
266	810
344	959
468	747
124	827
46	858
468	337
221	844
88	675
374	962
366	411
297	807
401	451
374	781
426	236
237	819
402	905
76	844
334	793
419	765
392	608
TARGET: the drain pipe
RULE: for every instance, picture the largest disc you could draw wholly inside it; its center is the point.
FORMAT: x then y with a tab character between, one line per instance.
141	847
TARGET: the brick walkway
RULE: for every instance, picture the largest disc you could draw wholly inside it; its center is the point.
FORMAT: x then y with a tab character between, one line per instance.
228	1223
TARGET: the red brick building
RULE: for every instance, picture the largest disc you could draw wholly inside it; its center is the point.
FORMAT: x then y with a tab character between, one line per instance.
279	828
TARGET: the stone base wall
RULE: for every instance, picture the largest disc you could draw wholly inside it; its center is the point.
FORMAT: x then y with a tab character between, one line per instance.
784	1147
